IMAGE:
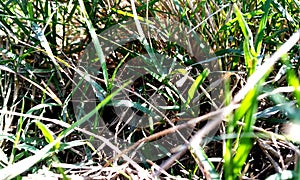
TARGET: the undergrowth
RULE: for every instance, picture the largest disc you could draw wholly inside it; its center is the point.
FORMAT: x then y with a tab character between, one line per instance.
255	44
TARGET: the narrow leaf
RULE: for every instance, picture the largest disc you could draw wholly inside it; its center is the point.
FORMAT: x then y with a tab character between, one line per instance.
199	80
96	42
46	131
262	26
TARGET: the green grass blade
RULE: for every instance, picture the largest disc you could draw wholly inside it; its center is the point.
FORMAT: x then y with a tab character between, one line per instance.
199	80
45	44
200	156
116	71
96	42
246	142
18	135
234	165
262	26
94	111
49	135
245	106
243	25
248	47
41	106
136	105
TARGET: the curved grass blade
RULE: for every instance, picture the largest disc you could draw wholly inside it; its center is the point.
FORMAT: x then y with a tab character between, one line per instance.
199	80
49	135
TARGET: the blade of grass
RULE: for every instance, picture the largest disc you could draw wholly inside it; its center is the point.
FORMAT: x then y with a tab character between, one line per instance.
136	105
246	142
143	40
48	134
125	13
96	42
262	26
116	71
248	46
195	86
202	159
243	144
45	44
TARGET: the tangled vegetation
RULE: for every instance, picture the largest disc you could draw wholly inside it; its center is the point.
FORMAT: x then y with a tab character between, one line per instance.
255	45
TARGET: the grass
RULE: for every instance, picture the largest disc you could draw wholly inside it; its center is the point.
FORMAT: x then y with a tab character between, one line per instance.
245	132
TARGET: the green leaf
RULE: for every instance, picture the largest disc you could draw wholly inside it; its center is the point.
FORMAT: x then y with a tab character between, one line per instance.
234	165
199	154
116	71
90	114
243	25
248	47
262	26
246	104
96	42
199	80
41	106
27	147
49	135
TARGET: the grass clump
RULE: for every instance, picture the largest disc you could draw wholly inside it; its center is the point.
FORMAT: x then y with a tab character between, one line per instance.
253	120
